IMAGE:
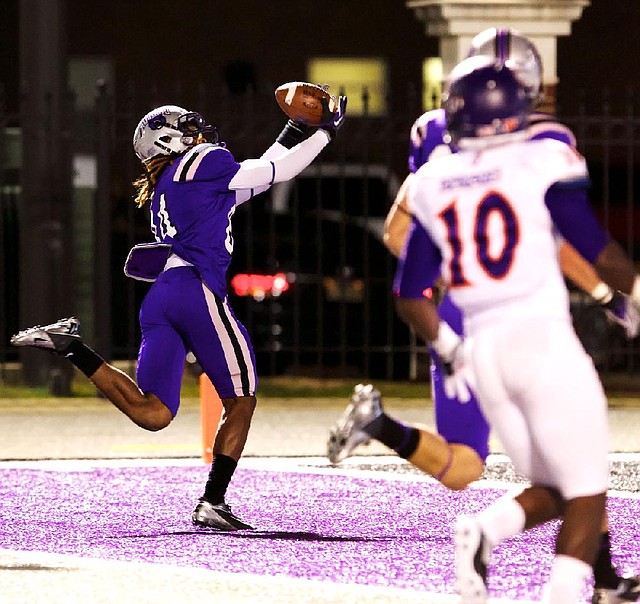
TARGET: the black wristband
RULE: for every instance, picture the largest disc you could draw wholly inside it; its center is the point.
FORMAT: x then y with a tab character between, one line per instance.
293	133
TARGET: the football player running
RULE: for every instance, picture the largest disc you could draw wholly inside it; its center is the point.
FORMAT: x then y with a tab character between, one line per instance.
455	455
485	221
193	186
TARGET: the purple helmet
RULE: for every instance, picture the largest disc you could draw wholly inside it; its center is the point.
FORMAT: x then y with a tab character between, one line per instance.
517	52
483	98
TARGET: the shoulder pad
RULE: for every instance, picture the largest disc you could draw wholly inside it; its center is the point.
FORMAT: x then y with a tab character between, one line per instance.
197	161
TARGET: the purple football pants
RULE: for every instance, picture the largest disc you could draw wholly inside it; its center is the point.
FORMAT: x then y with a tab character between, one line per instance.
181	314
457	422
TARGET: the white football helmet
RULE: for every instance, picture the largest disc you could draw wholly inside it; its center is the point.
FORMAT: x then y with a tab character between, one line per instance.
170	129
515	51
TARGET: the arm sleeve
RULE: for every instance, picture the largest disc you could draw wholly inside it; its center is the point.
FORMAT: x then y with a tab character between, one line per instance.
274	151
419	265
573	217
255	173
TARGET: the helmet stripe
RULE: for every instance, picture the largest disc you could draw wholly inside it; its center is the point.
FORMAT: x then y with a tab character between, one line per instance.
503	44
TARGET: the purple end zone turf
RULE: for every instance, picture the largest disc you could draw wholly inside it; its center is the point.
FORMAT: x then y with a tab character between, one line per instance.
317	526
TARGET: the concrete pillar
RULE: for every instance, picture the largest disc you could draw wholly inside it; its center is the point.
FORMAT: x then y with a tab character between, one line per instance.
456	22
45	201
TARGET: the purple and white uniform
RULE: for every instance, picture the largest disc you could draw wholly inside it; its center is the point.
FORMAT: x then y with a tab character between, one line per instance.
186	308
457	422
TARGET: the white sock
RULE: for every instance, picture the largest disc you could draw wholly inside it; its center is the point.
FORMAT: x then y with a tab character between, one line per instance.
568	581
502	519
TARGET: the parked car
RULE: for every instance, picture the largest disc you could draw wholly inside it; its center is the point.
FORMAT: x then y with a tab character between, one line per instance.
321	234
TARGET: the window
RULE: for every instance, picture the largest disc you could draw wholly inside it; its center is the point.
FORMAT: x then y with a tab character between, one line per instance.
353	77
85	73
431	83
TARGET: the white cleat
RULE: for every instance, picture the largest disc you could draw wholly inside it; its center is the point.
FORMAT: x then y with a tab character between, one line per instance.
56	336
472	559
348	432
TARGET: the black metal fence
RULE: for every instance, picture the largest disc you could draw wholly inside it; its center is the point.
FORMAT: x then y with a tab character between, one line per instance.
310	277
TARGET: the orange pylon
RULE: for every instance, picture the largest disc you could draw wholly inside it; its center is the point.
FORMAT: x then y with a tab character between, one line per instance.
210	414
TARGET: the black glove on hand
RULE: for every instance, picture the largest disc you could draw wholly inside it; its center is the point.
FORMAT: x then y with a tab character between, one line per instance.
331	122
294	133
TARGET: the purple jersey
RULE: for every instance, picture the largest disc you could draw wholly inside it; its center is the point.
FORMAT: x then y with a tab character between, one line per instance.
186	308
192	208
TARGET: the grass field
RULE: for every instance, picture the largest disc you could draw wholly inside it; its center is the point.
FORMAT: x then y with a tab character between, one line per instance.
269	387
622	391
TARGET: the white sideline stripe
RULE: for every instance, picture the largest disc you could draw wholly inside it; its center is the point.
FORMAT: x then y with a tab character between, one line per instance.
302	465
103	581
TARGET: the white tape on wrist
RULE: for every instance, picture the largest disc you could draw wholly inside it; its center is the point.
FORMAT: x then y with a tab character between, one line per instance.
446	342
602	293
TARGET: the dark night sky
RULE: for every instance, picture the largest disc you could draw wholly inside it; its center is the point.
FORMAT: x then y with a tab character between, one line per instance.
604	50
197	37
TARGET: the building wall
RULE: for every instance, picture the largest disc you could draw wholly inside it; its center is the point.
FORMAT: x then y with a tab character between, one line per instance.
155	40
602	53
200	39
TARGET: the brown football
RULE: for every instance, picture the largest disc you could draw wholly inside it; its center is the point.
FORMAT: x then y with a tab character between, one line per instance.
301	101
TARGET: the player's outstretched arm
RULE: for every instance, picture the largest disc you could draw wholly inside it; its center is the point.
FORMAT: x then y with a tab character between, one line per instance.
261	173
575	220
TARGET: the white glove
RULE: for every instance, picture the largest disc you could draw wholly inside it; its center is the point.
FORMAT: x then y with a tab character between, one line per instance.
458	377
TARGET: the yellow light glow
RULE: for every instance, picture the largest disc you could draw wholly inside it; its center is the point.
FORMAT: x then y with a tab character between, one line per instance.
432	83
364	81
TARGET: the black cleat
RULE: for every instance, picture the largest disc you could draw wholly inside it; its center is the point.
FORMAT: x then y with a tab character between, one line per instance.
218	516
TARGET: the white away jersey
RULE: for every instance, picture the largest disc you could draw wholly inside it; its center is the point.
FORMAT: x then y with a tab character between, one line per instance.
485	211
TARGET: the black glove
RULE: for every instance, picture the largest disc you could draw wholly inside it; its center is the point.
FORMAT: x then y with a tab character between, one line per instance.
294	133
331	122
